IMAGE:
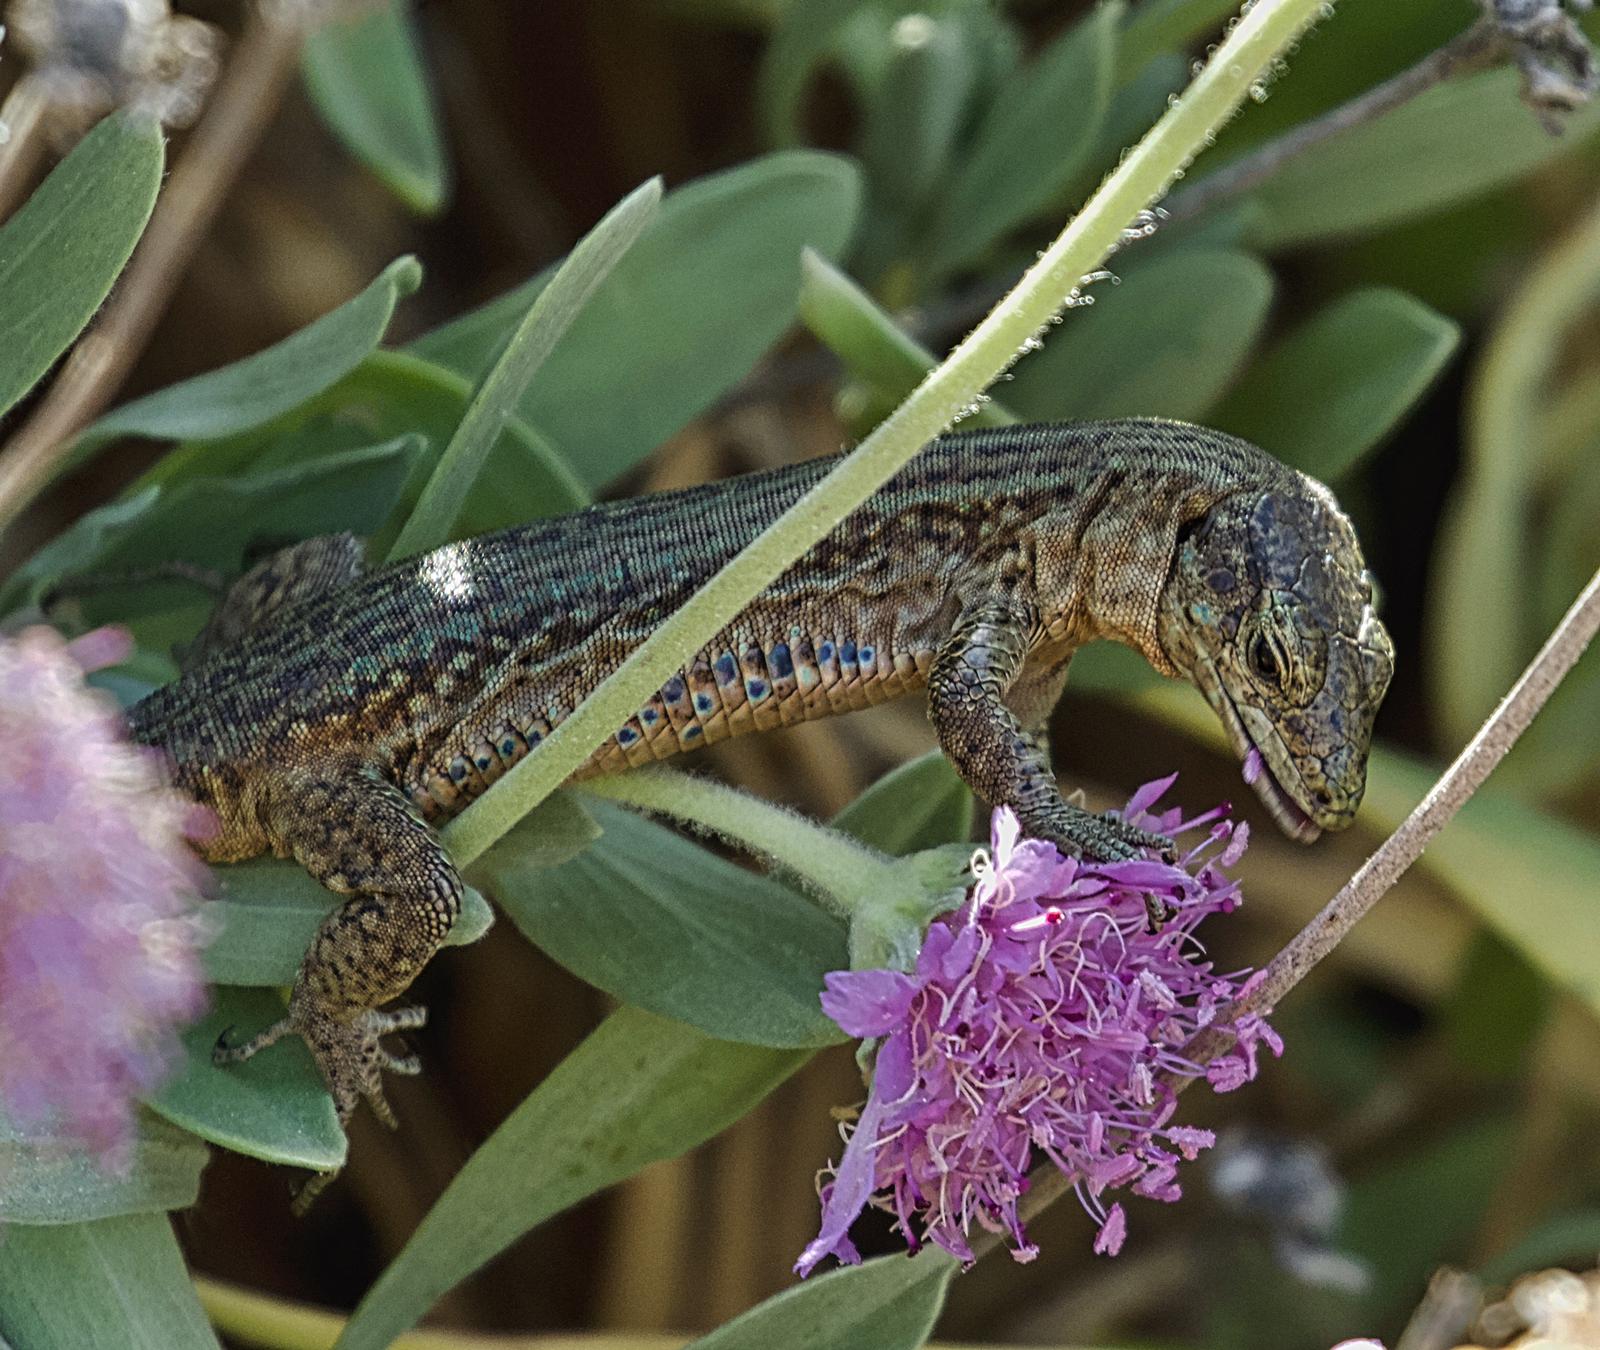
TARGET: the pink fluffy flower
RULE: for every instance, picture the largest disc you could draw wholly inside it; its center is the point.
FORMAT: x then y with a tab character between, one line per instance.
99	933
1035	1024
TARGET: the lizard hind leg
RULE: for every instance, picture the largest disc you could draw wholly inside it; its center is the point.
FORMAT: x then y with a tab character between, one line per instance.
356	833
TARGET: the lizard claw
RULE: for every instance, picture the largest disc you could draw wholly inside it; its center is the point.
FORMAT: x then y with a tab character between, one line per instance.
350	1057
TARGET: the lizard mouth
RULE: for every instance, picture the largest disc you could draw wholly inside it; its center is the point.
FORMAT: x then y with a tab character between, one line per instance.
1287	813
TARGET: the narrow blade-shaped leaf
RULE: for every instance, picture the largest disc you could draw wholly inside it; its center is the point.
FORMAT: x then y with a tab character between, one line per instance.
710	286
352	491
1460	138
268	911
272	1107
890	1303
1164	343
662	923
548	318
870	343
921	804
259	388
1032	142
1334	388
64	1288
50	1178
639	1089
65	246
364	72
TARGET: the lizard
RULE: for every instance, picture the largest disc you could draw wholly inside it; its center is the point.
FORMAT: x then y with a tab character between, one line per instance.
337	715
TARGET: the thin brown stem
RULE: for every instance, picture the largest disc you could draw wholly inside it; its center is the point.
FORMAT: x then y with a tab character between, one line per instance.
1385	867
1481	45
261	67
23	117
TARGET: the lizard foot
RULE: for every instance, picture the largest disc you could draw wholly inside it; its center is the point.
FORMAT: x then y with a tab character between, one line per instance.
1099	838
349	1053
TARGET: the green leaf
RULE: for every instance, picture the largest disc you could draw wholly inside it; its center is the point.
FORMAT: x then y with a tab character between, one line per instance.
554	831
548	318
268	912
395	393
365	76
710	286
259	388
1459	139
273	1106
890	1303
354	490
1164	343
49	1178
1031	143
61	251
68	1287
849	322
640	1088
1335	387
661	923
921	804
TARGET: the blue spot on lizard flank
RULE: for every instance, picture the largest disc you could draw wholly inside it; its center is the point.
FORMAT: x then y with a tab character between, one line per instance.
825	652
458	770
866	655
779	663
533	737
627	736
727	672
703	703
689	733
672	690
649	715
508	746
757	689
847	653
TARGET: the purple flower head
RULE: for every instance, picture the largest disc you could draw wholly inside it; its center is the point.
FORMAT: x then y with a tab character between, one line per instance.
99	934
1037	1022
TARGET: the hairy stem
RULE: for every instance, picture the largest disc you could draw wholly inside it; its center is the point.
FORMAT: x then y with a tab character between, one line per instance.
262	66
833	866
1140	180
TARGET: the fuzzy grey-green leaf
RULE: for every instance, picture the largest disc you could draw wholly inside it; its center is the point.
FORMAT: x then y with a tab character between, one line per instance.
66	245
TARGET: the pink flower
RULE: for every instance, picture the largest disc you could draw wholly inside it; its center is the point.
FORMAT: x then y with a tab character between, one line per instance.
99	935
1036	1023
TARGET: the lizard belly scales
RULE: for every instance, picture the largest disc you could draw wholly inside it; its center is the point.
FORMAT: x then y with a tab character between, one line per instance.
345	717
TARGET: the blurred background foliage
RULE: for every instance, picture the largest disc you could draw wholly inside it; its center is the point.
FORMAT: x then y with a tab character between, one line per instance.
1406	311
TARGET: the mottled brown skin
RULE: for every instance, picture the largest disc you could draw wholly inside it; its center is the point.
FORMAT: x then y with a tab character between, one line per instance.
335	716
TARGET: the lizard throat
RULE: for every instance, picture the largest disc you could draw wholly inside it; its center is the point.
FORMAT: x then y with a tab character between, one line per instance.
1286	813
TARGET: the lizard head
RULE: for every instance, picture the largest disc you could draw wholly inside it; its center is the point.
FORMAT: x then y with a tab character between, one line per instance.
1269	610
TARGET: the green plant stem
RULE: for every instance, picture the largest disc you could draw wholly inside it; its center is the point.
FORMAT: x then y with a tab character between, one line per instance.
1138	182
835	867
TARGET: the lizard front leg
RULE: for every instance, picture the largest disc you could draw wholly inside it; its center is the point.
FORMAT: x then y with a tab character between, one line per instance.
998	757
357	834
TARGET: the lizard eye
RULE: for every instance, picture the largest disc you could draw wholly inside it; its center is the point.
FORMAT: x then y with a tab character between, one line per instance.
1264	661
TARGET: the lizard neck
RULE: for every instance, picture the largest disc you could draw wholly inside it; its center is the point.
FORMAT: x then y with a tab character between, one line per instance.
1104	554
